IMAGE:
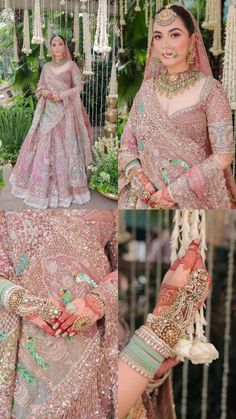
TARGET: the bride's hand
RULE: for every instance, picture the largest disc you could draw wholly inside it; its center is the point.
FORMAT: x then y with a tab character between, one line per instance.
78	315
161	199
141	184
56	98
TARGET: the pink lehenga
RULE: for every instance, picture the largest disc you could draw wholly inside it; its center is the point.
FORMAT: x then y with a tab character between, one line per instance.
42	376
177	151
51	167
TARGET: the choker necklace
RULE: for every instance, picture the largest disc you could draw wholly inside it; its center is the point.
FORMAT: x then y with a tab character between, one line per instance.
58	63
173	84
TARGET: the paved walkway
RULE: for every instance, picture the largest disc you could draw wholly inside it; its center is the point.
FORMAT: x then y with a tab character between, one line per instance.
9	202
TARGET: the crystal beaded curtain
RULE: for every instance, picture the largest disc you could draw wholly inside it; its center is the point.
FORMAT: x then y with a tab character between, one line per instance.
77	21
148	241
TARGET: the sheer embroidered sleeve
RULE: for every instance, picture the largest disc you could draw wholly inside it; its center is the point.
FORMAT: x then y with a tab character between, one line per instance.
77	83
129	153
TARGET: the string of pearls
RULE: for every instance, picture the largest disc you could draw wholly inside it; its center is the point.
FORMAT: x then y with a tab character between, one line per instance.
26	33
101	36
228	302
37	27
229	70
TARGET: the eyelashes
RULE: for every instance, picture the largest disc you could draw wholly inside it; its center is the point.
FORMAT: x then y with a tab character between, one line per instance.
173	36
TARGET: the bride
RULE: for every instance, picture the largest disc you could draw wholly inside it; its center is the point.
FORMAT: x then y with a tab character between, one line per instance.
51	167
177	146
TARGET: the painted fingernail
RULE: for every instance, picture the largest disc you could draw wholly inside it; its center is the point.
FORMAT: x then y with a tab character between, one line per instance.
64	334
58	332
55	326
72	334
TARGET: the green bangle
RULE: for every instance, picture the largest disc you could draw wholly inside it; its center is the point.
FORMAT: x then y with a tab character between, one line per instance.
142	357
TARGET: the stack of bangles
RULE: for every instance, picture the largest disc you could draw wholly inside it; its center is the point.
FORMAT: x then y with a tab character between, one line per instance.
139	183
154	341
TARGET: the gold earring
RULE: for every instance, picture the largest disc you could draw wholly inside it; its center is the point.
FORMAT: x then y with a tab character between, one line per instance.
190	56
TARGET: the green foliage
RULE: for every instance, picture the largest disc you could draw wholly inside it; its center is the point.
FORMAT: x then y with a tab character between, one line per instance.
104	171
15	123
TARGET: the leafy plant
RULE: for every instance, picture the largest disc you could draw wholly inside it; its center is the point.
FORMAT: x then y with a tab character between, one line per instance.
15	123
104	170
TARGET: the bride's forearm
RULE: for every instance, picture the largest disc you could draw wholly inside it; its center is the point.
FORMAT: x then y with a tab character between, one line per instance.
131	386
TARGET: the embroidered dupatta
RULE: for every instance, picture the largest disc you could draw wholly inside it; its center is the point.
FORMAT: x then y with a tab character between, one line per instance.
40	254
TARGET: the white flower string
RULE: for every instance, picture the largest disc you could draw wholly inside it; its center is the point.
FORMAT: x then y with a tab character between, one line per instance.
159	5
228	303
87	44
101	36
15	43
210	16
137	7
26	32
75	38
229	69
150	30
175	236
210	219
217	46
122	19
41	52
37	26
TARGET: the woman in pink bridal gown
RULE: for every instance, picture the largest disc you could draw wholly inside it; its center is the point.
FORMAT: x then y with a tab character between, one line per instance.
51	167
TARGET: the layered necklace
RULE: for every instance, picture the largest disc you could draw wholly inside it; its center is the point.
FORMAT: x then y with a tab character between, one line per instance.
58	63
173	84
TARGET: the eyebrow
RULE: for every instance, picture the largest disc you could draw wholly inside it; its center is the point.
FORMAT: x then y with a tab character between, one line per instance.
171	30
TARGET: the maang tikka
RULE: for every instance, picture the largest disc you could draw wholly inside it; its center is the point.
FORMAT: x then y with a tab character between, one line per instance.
166	16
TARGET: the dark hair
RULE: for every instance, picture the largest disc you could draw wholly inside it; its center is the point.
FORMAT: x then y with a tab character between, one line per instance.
184	16
60	36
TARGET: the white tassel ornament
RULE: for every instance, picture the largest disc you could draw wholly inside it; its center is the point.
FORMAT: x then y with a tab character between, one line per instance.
37	27
26	34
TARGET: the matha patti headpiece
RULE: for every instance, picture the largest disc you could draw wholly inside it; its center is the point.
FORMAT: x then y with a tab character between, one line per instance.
166	16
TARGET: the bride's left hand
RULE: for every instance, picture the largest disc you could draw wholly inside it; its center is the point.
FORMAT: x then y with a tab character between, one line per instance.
161	199
57	98
84	311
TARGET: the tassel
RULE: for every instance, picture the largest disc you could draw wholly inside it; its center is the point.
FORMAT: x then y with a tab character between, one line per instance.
26	34
87	44
185	232
37	27
101	35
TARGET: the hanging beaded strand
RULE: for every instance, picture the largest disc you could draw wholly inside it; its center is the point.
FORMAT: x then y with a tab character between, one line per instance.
228	303
37	26
26	32
75	38
15	42
210	223
217	46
